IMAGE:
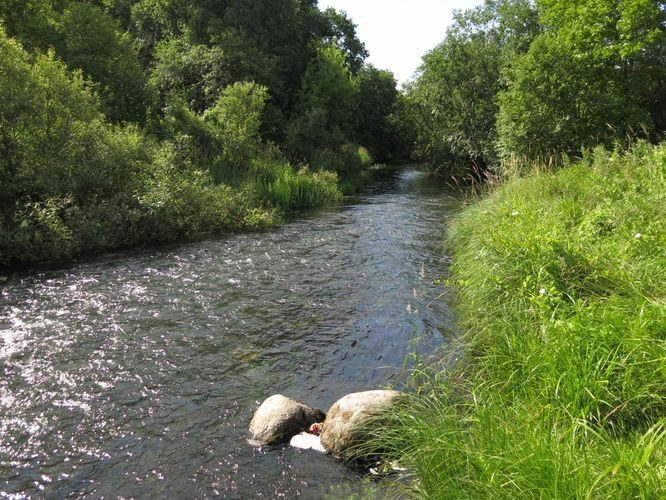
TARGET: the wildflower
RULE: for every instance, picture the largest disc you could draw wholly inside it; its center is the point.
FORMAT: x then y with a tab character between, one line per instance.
543	291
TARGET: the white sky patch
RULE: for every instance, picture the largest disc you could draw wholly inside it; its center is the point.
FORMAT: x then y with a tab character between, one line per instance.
398	33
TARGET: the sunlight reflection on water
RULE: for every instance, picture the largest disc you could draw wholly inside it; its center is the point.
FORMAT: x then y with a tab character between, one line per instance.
136	374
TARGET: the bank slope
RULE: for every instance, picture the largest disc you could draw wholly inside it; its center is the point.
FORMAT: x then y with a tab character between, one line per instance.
561	391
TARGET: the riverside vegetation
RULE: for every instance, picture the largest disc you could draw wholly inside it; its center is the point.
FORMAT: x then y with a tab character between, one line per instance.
560	392
133	122
557	385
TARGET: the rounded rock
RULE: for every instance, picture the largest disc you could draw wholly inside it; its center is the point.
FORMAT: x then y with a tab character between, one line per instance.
279	418
346	427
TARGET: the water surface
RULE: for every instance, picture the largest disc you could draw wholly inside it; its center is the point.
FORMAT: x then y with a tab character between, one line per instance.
136	374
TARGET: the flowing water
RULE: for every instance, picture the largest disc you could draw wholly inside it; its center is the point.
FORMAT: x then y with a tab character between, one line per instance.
135	375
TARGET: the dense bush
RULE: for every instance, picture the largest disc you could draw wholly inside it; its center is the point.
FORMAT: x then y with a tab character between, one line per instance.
73	183
590	79
277	185
346	160
176	118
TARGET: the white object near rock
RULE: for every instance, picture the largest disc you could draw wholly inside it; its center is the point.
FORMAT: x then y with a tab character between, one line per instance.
278	419
306	441
346	427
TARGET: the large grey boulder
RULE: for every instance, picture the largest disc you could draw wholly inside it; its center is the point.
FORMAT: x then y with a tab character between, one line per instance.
278	419
347	425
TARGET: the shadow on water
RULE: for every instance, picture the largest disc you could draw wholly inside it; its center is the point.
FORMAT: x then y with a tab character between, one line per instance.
136	375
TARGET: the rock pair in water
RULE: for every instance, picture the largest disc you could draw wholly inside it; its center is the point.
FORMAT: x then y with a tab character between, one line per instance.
345	429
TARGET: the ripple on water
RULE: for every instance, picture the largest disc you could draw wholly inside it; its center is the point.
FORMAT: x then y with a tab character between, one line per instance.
136	375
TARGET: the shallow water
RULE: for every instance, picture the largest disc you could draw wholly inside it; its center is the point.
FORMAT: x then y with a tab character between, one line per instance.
136	374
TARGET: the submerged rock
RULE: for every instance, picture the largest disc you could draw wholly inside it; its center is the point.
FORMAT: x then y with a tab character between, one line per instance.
278	419
346	428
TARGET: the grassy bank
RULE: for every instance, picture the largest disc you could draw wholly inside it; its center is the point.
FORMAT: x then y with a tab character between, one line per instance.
560	391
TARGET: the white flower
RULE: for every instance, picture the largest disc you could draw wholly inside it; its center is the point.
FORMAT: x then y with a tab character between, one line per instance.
543	291
638	236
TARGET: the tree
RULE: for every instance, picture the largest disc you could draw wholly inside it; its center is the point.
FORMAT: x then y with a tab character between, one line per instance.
157	20
456	92
34	22
54	141
377	95
340	30
461	79
284	30
120	10
94	43
236	121
193	73
326	104
592	77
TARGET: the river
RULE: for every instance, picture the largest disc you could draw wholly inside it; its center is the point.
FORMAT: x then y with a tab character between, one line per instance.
136	374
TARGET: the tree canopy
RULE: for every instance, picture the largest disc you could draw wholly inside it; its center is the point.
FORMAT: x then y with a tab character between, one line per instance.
190	114
517	78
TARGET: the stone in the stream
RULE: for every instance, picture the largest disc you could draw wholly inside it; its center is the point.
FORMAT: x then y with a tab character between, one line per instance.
345	429
278	419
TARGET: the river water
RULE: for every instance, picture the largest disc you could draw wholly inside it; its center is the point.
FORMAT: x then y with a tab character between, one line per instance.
136	374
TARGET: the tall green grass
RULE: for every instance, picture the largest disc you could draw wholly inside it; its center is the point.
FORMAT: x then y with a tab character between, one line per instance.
276	184
560	389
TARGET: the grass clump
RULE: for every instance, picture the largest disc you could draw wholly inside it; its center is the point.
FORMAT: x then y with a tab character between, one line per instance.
561	388
275	183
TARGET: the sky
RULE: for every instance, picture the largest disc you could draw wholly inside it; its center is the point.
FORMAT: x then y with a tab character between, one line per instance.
397	33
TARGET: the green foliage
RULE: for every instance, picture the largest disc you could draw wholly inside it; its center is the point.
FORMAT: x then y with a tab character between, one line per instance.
346	160
377	96
34	22
42	109
326	104
86	38
589	79
235	122
560	389
340	30
193	73
515	78
308	131
120	10
455	94
461	78
405	122
94	43
72	183
277	185
227	89
328	85
156	20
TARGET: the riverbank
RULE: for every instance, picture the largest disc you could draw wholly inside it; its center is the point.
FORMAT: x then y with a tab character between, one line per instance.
560	390
53	234
77	183
61	229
